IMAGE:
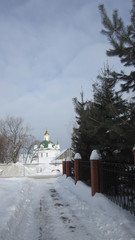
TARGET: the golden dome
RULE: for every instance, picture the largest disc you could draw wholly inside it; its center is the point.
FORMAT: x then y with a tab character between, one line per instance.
46	132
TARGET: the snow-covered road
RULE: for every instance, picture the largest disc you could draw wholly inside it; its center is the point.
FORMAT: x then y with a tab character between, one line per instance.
57	209
49	216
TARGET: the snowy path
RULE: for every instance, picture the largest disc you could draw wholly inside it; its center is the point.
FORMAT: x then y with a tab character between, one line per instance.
56	209
49	217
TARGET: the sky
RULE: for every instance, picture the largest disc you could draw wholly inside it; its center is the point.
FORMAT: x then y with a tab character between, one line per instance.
50	51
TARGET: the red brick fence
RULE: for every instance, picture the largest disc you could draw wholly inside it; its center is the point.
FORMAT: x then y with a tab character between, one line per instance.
89	172
115	180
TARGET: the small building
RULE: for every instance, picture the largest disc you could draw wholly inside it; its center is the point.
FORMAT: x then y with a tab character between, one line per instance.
46	149
65	153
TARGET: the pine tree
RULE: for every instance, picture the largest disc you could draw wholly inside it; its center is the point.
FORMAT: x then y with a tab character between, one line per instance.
122	39
111	113
80	136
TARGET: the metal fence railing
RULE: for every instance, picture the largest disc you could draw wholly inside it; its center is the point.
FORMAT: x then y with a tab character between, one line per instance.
84	168
119	184
84	171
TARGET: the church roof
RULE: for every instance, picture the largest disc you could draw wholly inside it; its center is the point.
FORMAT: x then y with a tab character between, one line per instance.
44	143
47	143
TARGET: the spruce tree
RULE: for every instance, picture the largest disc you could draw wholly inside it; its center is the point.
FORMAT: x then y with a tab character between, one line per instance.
111	115
80	136
122	39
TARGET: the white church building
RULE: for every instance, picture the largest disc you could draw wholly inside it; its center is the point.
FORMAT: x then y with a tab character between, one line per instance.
46	149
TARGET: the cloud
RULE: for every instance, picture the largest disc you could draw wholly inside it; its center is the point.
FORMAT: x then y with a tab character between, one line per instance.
50	50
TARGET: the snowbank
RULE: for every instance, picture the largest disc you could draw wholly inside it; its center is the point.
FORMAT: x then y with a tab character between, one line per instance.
33	170
13	170
13	194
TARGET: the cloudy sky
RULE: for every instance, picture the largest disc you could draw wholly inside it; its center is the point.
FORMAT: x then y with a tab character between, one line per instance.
50	50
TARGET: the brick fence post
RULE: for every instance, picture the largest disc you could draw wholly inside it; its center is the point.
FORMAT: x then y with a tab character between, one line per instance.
134	154
68	166
76	166
95	172
64	166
